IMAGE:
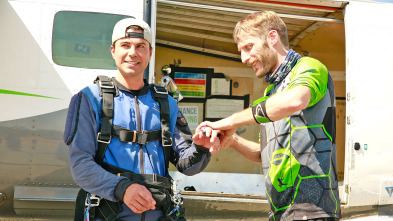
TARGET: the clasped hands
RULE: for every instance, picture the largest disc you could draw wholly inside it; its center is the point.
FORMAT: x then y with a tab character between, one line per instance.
214	135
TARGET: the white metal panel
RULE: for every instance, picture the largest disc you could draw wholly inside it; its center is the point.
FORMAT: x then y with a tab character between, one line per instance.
26	55
234	183
84	76
369	34
21	56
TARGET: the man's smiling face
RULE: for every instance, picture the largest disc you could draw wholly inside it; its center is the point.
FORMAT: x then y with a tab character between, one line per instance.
131	55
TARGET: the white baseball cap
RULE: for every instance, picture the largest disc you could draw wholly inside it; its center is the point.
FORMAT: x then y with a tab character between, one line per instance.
120	30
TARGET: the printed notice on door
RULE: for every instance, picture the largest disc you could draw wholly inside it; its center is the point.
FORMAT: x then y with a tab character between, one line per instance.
221	108
220	86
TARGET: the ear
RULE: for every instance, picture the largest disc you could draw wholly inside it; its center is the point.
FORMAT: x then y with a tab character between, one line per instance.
151	51
274	37
113	51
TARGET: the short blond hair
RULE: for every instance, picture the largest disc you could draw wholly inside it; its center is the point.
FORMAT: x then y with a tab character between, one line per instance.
260	23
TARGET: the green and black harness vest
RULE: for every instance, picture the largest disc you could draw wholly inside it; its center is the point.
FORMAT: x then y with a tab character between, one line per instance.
299	157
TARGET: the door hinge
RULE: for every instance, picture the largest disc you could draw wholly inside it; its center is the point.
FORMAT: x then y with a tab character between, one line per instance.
346	188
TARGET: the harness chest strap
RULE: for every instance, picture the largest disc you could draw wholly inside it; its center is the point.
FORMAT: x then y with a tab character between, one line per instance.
108	91
140	137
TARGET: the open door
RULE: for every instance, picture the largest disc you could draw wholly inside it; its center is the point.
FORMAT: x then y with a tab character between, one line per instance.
369	145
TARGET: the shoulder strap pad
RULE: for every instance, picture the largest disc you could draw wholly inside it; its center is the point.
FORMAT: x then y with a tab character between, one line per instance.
160	94
106	85
158	91
108	90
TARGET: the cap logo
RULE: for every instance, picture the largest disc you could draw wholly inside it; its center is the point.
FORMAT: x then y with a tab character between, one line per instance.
134	35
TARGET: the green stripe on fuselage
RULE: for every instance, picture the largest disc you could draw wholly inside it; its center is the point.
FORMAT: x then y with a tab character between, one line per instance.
23	94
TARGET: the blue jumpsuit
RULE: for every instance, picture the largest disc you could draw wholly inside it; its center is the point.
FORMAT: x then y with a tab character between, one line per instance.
83	123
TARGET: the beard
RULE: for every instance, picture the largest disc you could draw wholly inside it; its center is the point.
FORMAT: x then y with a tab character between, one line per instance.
267	58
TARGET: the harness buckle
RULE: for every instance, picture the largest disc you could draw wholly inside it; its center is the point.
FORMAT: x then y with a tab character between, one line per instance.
92	200
167	142
160	92
102	141
109	86
134	137
143	137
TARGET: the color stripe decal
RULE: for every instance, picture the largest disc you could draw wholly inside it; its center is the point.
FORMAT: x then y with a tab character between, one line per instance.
23	94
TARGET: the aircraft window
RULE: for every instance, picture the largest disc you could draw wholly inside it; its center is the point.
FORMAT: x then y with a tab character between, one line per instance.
83	39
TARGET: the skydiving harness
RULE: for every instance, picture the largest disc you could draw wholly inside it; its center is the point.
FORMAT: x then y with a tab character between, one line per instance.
163	189
259	106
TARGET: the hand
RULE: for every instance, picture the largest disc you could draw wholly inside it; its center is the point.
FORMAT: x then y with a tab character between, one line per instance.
225	136
207	137
223	124
138	198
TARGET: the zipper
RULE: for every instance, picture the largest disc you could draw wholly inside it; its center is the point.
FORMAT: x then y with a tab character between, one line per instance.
138	114
139	125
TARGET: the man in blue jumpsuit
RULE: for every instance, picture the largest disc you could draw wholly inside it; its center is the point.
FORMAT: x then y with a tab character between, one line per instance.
135	111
